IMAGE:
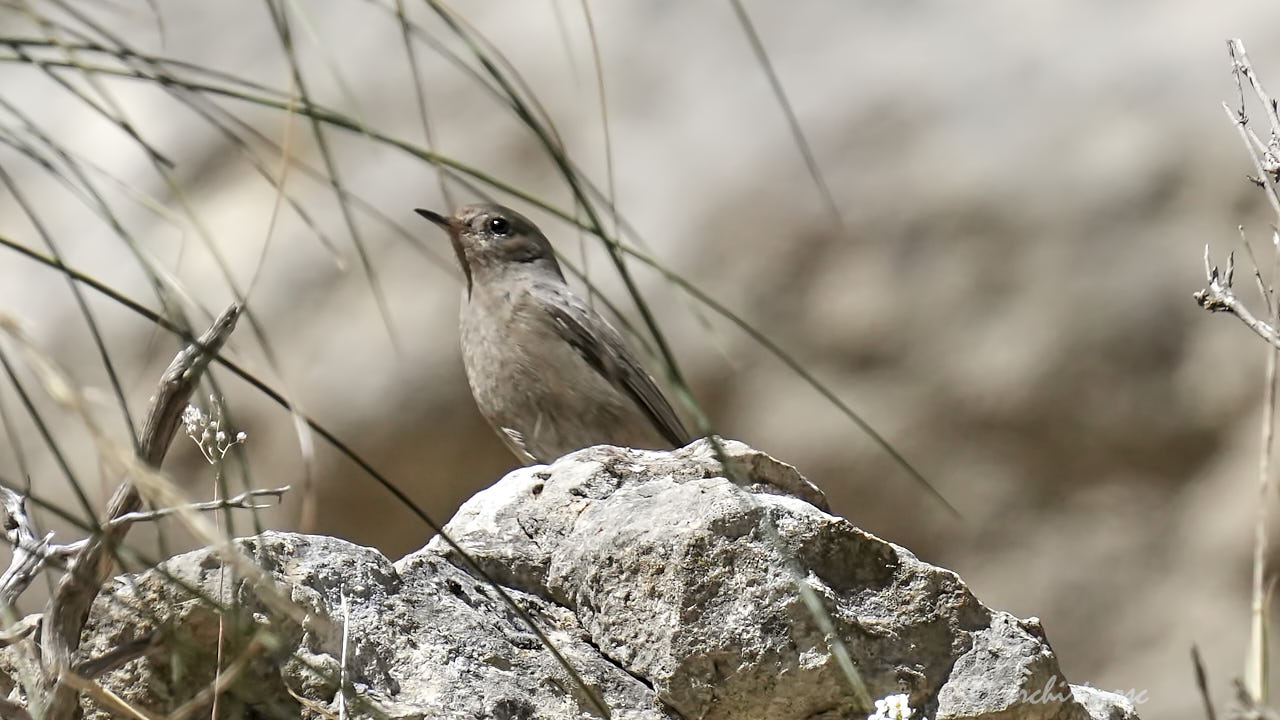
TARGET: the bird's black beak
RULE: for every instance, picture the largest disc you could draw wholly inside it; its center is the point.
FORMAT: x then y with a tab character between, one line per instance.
434	217
451	227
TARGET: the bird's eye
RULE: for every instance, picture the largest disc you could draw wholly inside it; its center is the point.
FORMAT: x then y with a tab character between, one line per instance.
499	226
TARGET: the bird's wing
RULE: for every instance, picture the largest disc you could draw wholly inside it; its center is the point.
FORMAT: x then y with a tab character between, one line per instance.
604	350
515	441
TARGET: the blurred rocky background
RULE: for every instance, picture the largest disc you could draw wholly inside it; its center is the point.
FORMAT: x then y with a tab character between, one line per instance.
1025	192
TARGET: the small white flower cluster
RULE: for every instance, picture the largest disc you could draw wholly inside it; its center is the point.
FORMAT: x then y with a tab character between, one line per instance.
207	433
892	707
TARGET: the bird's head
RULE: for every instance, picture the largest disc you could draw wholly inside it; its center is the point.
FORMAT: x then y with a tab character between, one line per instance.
491	240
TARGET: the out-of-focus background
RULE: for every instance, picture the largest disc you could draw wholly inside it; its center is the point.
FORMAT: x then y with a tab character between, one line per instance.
1025	188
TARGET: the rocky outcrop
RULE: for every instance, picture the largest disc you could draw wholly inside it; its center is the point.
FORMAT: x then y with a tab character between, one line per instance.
672	587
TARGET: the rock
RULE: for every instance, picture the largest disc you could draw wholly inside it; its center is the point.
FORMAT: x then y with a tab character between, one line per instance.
672	590
426	640
1102	705
686	580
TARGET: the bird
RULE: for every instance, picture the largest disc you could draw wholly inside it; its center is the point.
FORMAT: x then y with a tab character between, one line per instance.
547	372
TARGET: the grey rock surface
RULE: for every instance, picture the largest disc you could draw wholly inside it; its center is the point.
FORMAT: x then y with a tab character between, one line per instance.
698	582
675	589
426	640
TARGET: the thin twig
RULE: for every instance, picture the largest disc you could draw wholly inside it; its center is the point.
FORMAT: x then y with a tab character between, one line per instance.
342	672
118	655
1257	661
19	630
240	501
1264	158
1263	292
107	698
1264	177
1240	60
319	709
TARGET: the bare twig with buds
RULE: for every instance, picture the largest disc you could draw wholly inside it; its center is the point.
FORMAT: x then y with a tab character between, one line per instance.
1219	296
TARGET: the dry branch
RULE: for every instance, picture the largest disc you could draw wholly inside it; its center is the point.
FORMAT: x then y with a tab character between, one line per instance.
241	502
117	656
1219	296
1265	158
69	608
20	630
30	552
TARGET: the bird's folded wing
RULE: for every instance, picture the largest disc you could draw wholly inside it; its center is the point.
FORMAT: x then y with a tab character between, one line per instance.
603	349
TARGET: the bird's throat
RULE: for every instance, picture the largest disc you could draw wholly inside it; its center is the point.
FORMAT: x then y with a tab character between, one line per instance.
462	258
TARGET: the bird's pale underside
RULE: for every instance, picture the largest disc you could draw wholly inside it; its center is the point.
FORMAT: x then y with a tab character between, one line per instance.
548	372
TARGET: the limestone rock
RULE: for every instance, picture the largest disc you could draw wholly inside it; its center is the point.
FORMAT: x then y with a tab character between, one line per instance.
425	640
702	584
673	588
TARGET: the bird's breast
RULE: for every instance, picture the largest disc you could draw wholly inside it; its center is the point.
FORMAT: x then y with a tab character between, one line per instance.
525	376
510	344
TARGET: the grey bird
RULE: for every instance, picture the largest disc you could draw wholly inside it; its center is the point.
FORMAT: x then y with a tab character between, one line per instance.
548	372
